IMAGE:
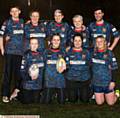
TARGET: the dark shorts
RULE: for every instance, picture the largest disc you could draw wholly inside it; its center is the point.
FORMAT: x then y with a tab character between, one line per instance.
101	89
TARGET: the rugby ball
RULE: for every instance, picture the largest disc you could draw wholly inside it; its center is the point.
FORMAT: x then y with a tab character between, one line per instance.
60	65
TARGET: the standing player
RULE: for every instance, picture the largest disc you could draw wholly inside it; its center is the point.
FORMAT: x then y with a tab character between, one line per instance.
35	29
58	26
12	30
79	28
103	65
101	27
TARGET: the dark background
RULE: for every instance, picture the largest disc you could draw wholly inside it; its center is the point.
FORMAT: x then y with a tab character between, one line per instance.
69	7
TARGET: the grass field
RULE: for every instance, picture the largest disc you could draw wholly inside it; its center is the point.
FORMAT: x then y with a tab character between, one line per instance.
55	110
69	110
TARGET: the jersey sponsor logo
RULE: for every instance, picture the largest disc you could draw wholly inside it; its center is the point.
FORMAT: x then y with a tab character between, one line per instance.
98	61
72	56
63	29
75	62
38	35
18	31
51	61
32	30
40	64
96	35
104	30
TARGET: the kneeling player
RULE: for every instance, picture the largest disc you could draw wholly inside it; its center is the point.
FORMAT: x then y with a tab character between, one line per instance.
32	68
103	64
54	83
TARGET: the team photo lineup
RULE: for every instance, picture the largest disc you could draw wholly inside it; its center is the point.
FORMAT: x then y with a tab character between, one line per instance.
54	60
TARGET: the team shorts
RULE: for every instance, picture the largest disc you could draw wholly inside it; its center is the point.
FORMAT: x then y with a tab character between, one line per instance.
102	89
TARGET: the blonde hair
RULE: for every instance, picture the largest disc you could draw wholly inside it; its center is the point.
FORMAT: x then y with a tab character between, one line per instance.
105	44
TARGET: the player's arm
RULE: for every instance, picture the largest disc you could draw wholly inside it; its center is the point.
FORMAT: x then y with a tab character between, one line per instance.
116	39
116	36
2	33
1	45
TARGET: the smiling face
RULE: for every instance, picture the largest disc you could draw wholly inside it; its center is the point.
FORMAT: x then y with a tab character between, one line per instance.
55	41
98	15
77	22
34	17
100	43
77	42
34	44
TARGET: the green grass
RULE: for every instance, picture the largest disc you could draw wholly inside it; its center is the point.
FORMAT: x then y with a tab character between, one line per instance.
55	110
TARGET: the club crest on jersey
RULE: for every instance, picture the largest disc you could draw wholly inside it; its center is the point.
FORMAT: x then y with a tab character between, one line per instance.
105	56
83	56
41	58
84	34
22	25
104	30
63	29
42	29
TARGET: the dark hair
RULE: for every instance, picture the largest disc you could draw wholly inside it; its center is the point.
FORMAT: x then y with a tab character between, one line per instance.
55	34
51	37
33	38
14	6
34	10
99	8
76	35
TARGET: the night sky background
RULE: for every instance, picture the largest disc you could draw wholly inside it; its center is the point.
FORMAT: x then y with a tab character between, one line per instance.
69	7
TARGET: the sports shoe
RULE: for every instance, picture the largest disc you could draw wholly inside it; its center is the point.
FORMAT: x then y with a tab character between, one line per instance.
5	99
